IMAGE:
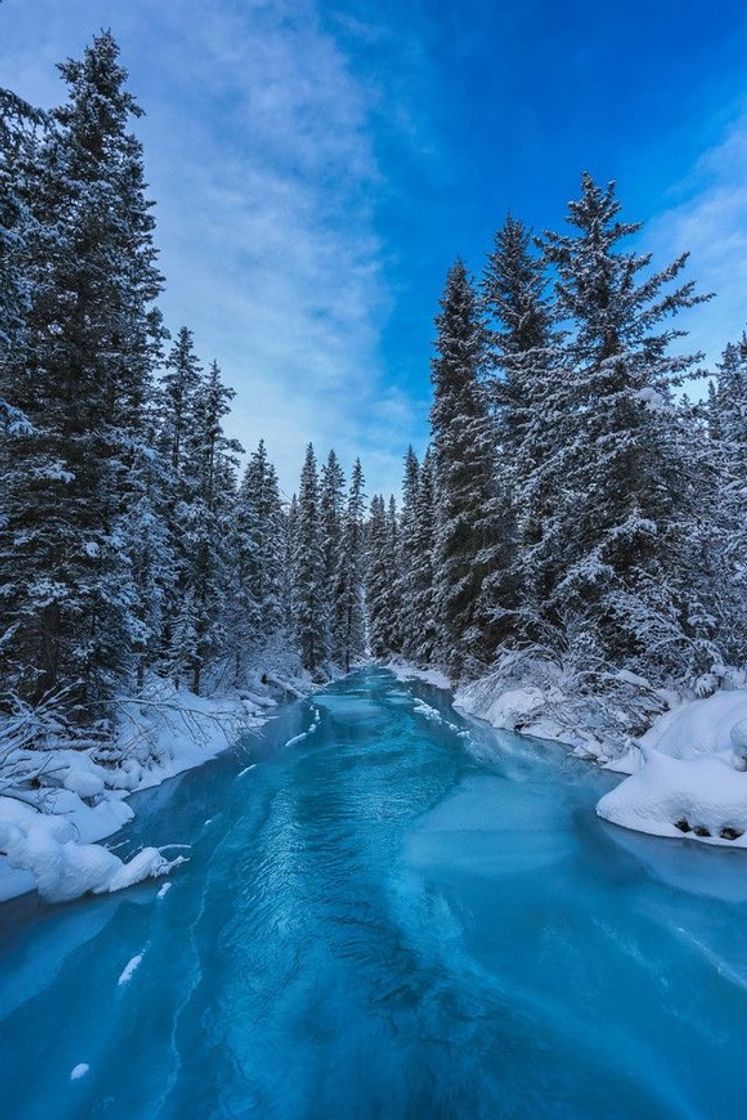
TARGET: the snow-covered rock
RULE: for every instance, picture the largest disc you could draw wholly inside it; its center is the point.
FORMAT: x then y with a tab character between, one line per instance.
689	777
703	797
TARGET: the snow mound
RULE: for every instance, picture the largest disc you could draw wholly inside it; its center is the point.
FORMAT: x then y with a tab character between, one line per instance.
46	846
703	797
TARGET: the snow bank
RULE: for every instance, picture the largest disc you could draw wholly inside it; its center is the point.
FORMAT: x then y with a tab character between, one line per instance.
686	773
49	826
689	774
405	671
704	798
47	847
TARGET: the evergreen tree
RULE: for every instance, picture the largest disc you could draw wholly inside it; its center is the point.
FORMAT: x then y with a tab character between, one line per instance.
381	578
406	560
349	624
332	507
18	144
257	611
394	564
211	462
309	599
723	473
419	641
468	557
622	477
83	379
179	387
523	360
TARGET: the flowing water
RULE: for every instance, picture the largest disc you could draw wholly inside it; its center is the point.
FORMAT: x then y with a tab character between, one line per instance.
401	915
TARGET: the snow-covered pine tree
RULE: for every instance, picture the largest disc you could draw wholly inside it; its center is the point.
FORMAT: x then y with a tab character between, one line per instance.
377	576
83	380
405	588
382	567
211	464
469	547
519	327
724	475
523	357
332	509
290	516
622	475
394	562
179	386
308	592
349	624
18	139
177	424
256	611
419	641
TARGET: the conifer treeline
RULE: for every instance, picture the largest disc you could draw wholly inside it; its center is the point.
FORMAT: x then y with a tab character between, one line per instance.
127	545
573	502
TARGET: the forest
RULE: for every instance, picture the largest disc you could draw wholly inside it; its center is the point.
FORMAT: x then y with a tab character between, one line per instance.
574	507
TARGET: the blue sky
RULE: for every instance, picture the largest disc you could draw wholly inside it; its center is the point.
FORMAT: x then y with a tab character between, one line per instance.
317	166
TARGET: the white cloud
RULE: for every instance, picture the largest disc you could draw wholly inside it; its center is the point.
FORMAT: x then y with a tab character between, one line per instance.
710	222
259	145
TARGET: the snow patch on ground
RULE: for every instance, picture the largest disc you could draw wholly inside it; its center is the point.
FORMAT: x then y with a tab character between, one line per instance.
61	802
405	671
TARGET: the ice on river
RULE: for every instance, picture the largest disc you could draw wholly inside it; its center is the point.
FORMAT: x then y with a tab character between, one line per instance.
391	921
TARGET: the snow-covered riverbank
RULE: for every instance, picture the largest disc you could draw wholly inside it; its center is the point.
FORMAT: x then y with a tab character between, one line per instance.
51	825
685	776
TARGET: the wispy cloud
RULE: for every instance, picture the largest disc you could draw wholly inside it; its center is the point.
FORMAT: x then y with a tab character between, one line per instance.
710	221
260	149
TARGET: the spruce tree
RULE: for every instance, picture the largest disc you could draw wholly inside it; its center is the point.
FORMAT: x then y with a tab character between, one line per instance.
211	464
256	611
723	475
332	510
469	546
419	640
83	379
523	358
382	578
624	492
309	598
349	623
406	559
